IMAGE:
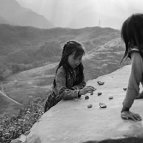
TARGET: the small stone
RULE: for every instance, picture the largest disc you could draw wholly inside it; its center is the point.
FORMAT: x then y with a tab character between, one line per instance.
86	97
102	105
16	141
91	93
99	93
89	106
111	97
100	82
124	89
22	138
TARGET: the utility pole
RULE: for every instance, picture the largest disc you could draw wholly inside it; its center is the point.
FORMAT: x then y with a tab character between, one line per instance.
99	23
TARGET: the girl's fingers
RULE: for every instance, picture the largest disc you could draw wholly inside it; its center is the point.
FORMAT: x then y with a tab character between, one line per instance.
138	117
91	87
130	116
135	117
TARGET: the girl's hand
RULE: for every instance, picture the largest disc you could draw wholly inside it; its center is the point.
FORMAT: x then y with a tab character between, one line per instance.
87	89
127	115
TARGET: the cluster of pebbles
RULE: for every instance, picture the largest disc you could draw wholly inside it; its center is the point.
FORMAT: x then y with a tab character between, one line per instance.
101	105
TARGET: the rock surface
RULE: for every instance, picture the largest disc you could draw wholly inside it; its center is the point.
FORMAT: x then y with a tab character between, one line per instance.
73	122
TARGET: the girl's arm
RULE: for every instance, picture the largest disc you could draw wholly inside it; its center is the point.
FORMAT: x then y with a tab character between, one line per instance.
134	81
64	92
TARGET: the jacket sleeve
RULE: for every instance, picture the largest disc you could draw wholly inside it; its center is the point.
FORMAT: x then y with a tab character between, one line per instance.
134	80
64	92
80	86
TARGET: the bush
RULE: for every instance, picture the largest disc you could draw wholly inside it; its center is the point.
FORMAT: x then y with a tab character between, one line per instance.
12	127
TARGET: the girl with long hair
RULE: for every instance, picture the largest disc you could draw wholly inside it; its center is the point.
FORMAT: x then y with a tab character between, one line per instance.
69	78
132	35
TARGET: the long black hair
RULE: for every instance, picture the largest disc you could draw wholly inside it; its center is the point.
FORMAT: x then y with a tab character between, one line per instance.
132	33
69	48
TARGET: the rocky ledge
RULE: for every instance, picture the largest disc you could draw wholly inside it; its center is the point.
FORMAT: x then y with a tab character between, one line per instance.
74	122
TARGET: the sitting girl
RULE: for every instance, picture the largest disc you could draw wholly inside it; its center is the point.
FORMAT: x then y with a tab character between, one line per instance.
132	35
69	79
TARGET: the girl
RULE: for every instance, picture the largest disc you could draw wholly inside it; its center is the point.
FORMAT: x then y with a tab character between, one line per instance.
132	35
69	79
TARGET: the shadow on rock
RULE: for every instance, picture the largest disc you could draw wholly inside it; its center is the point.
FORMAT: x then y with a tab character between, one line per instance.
125	140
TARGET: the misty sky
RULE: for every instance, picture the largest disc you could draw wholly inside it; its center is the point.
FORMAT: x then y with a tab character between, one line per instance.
85	13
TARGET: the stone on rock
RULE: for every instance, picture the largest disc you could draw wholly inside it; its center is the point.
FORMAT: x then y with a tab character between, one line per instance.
99	93
111	97
91	93
86	97
21	139
16	141
102	105
100	82
89	106
124	89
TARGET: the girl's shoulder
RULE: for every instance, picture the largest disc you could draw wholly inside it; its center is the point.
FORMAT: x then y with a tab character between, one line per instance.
137	58
133	50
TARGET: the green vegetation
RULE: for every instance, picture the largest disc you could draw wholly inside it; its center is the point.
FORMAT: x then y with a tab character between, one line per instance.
12	127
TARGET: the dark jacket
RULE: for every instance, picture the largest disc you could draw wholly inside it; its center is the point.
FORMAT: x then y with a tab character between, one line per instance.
65	87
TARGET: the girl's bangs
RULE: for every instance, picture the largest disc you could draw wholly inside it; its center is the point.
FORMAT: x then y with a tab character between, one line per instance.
79	52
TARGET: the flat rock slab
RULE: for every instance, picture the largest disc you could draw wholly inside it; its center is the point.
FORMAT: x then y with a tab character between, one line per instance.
73	122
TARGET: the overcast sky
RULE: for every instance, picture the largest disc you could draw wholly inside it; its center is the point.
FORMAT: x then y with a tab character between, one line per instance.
85	13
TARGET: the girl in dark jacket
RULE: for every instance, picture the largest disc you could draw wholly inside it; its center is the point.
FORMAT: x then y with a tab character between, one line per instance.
69	79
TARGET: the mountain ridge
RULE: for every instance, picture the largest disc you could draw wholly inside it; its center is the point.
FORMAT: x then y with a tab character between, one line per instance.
15	14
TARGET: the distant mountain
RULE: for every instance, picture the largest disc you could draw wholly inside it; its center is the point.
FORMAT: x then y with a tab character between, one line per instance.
29	46
14	14
2	20
22	44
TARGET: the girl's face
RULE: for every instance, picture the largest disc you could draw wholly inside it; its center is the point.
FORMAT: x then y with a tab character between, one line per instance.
74	62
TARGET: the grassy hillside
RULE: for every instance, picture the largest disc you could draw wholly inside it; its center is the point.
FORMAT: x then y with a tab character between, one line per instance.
29	84
5	101
28	60
23	48
14	39
29	56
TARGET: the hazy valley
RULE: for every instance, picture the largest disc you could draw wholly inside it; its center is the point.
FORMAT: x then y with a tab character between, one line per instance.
29	57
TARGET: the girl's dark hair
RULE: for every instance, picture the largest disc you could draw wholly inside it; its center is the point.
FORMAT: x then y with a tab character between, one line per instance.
69	48
132	33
